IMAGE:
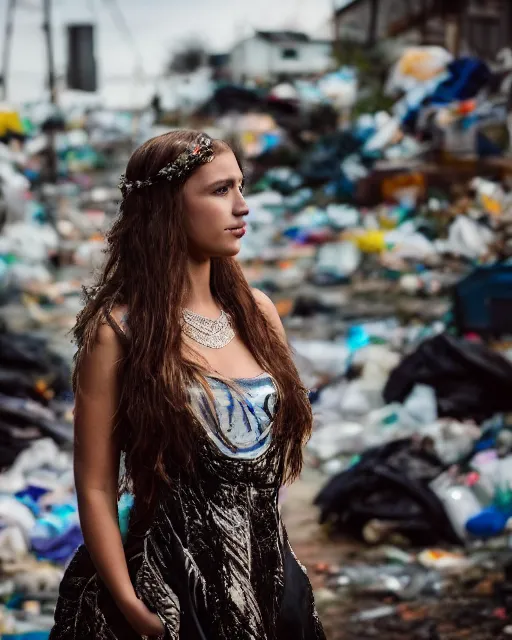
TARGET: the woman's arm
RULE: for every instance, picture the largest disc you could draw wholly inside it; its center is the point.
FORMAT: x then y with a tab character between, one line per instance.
96	464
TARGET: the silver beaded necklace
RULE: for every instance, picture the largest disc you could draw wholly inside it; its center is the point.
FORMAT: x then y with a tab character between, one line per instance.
213	334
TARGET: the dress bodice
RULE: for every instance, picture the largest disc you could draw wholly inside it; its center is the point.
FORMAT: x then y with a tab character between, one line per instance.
238	417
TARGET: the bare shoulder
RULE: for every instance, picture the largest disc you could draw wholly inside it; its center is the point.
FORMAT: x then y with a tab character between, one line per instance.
107	336
265	303
98	364
269	310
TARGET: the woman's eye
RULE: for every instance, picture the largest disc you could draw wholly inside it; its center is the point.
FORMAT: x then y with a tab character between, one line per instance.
222	191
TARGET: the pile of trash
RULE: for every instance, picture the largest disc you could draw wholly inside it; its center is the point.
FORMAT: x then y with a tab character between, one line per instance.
51	237
413	435
39	527
460	104
410	248
443	109
53	232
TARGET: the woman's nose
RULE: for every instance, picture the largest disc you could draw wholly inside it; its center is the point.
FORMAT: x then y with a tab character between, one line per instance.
240	207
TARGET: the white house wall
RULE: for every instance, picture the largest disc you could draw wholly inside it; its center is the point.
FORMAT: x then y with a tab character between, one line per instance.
312	57
256	58
250	59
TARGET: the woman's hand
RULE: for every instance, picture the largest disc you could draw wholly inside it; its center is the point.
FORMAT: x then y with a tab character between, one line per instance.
143	621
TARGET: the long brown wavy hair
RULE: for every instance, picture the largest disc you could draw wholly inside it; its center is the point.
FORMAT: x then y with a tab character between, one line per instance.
146	269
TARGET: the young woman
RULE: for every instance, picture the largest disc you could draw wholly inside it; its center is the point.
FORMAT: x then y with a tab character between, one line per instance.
183	373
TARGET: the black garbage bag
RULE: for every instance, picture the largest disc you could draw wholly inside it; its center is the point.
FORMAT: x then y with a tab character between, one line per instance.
26	414
470	380
390	484
14	441
18	383
322	162
28	356
232	98
23	414
482	301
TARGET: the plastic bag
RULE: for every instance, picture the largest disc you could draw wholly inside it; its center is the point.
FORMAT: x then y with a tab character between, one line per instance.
466	238
336	261
417	65
340	87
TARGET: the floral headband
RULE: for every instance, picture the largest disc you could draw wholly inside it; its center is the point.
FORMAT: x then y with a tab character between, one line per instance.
200	152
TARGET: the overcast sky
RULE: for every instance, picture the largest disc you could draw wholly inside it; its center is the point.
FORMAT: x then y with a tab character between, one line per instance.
156	25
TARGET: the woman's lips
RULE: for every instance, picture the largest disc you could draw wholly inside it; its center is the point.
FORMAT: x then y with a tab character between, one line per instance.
238	233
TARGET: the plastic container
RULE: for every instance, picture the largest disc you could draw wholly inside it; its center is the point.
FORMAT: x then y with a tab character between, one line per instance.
459	502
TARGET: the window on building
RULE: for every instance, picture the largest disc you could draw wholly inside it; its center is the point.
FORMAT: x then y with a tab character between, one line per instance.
289	54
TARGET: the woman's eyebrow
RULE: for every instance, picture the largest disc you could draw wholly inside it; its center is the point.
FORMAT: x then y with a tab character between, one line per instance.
230	181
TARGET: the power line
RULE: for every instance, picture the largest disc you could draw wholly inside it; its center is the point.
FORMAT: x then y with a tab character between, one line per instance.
121	23
92	8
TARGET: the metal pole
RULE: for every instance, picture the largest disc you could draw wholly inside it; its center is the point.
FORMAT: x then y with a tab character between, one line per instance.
49	199
335	29
372	28
6	52
47	28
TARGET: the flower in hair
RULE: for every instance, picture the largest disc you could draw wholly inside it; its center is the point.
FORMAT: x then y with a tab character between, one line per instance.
200	153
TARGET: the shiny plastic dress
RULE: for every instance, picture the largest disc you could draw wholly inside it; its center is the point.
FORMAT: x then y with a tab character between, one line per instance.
215	563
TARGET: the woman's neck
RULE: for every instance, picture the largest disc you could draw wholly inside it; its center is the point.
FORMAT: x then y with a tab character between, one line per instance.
199	296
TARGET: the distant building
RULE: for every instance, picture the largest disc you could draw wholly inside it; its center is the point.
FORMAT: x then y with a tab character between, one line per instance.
483	26
278	55
219	64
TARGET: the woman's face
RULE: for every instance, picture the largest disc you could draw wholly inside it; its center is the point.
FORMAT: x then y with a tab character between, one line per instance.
215	208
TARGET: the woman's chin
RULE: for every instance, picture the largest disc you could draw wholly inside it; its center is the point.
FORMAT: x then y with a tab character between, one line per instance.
229	250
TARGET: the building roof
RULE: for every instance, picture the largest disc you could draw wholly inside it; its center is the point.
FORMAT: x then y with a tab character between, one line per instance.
288	37
348	6
283	36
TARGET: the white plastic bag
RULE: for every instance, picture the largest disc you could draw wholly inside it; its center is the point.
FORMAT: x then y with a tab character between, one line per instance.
466	238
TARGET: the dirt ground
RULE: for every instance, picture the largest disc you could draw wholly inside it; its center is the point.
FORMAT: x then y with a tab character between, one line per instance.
474	609
311	545
300	516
